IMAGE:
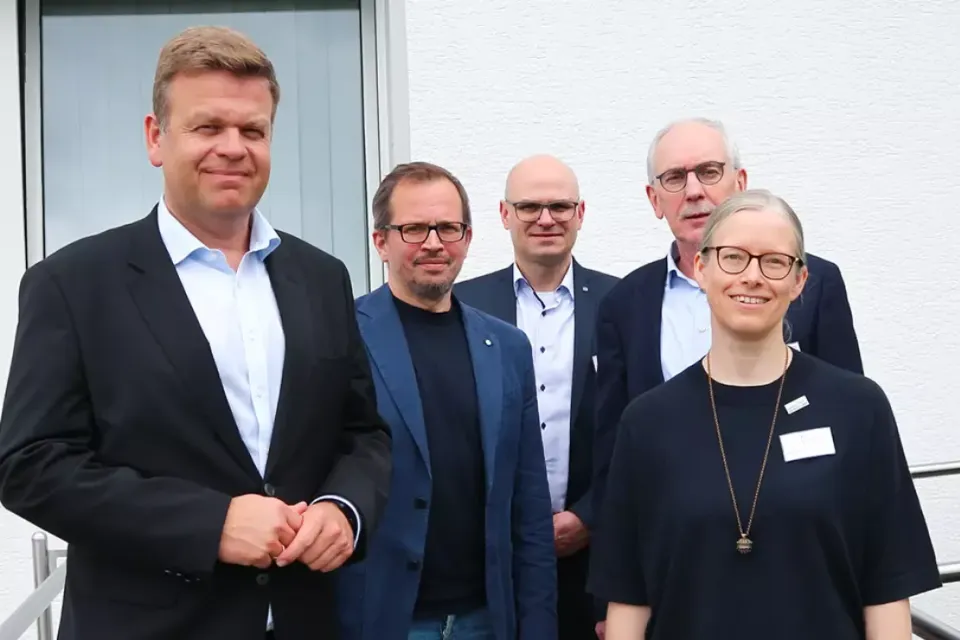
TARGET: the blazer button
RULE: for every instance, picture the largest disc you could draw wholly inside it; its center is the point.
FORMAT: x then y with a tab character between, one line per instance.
263	579
269	490
419	503
413	565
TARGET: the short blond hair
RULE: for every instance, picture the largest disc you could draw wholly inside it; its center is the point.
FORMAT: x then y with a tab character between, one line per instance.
199	49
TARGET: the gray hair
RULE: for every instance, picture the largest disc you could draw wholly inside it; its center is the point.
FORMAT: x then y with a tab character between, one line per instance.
733	153
753	200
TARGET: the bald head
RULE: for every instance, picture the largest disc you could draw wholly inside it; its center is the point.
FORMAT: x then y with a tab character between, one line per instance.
541	174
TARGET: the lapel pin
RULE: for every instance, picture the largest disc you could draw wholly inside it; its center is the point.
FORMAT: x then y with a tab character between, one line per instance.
586	288
488	342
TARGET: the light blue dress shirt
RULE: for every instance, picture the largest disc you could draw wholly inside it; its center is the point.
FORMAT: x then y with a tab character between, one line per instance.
547	317
685	321
238	313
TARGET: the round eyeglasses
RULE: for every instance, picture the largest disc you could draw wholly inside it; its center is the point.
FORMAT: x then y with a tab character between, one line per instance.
708	173
734	260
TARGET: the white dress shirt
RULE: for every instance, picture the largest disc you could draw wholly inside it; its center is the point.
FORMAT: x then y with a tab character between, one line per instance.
685	321
548	320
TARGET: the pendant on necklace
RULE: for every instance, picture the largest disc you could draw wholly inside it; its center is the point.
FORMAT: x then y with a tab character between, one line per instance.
744	544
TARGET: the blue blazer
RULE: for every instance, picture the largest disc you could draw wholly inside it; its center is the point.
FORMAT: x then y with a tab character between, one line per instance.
628	342
377	596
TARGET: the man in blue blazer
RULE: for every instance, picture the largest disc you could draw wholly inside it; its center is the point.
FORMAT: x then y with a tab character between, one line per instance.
465	546
553	299
656	322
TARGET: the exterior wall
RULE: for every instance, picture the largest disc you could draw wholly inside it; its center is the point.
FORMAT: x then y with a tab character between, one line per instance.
846	111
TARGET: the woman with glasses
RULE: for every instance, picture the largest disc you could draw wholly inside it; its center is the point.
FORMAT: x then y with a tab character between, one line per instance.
761	493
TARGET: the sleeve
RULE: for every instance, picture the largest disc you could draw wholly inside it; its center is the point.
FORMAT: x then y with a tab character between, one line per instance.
50	471
360	477
534	557
836	340
616	573
898	560
611	398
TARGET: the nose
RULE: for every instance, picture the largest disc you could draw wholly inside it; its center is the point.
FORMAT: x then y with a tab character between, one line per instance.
545	219
752	273
693	189
230	143
432	242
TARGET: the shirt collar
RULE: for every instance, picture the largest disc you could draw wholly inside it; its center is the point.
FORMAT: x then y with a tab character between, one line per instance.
181	244
565	284
673	271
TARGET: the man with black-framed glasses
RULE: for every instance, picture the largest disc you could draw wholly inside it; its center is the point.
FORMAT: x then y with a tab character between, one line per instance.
465	548
553	299
656	322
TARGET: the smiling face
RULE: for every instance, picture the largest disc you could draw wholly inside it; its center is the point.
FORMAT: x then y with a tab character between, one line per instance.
214	145
751	304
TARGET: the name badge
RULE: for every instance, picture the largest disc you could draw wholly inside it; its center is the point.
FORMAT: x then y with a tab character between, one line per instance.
807	444
796	405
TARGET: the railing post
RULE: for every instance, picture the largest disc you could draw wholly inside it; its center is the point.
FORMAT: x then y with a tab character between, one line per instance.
41	571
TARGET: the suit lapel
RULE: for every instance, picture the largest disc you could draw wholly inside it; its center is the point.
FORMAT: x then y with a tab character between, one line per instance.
488	375
503	302
159	295
293	303
584	319
387	344
649	300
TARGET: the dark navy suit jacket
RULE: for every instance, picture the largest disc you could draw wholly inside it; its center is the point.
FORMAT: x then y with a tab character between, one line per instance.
628	341
377	596
495	294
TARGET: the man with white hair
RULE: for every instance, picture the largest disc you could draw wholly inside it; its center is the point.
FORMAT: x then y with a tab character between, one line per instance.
656	322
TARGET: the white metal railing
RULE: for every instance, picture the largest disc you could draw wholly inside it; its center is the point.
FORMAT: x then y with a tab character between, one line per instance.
48	579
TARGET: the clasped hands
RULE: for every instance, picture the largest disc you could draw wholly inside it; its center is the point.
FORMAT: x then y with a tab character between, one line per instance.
259	530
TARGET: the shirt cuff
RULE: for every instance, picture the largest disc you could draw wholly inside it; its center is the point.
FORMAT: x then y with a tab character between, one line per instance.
349	505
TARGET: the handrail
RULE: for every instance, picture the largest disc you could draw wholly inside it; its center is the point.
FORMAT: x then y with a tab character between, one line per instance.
49	579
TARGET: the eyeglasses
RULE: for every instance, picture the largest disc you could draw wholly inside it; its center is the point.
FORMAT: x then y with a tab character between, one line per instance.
416	233
530	210
708	173
734	260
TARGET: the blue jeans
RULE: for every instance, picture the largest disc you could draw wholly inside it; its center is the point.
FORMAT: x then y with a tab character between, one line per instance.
469	626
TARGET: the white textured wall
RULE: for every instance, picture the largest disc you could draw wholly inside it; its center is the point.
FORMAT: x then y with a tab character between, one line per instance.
851	111
851	114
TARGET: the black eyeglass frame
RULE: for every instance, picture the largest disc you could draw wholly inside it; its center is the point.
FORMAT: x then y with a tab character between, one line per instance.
793	260
404	229
547	204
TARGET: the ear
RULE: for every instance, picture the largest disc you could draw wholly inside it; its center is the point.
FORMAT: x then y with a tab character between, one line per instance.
467	237
153	134
654	199
742	179
699	268
582	211
504	215
380	243
799	283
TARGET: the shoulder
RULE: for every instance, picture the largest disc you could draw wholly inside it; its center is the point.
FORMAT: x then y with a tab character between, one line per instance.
846	387
624	289
308	256
600	282
664	401
103	248
822	268
471	288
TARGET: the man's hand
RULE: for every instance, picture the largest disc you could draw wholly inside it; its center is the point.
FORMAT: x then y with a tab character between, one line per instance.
569	533
324	541
257	529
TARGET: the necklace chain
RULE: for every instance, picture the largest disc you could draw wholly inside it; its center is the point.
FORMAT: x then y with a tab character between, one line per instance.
745	544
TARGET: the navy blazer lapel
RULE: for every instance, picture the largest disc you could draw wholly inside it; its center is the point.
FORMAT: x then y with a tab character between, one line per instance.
293	303
390	354
503	301
159	295
649	301
584	320
485	352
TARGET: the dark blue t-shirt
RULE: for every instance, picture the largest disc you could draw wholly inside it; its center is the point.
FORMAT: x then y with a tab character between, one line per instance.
831	535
